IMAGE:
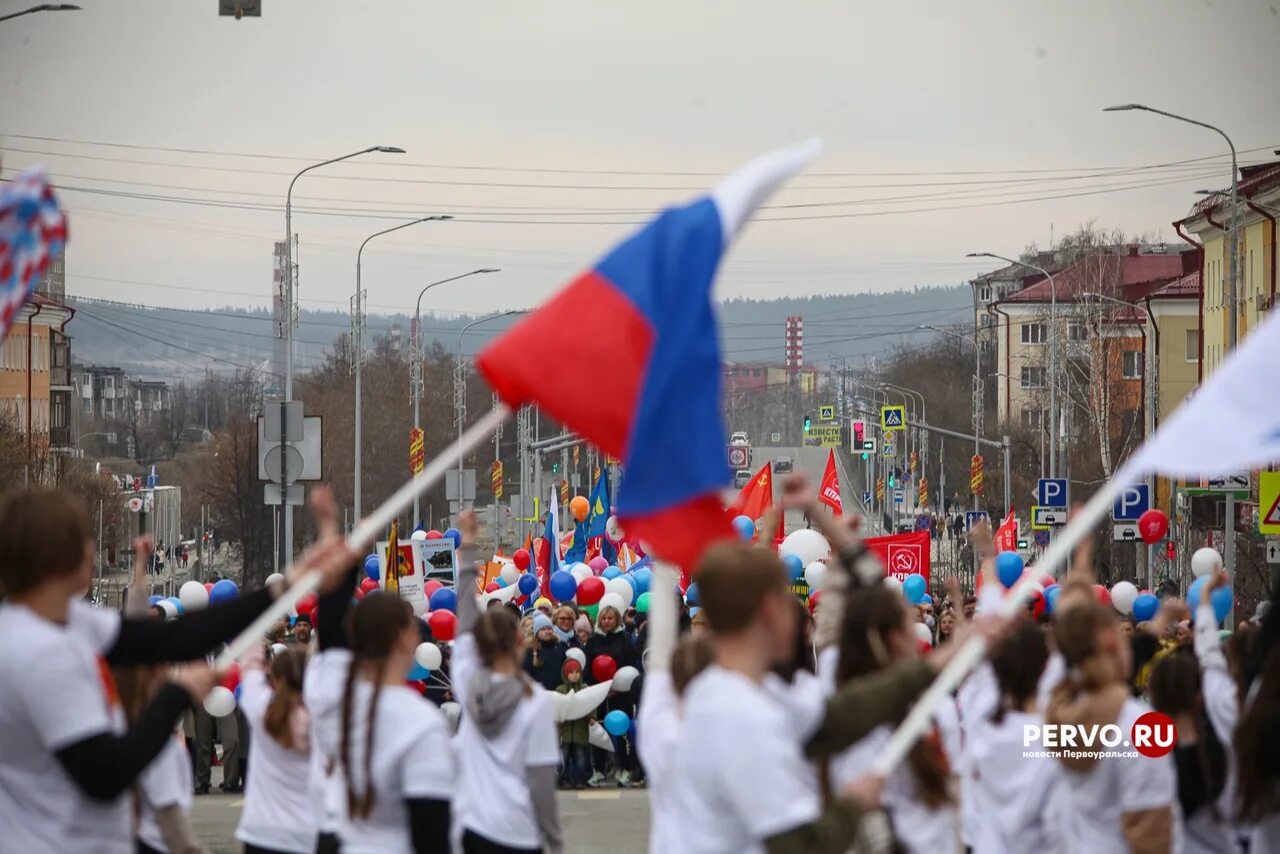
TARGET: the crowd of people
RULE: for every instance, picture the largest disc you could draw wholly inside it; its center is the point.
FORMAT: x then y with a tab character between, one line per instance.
756	723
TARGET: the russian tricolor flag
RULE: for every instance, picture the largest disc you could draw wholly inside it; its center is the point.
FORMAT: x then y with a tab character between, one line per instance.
661	364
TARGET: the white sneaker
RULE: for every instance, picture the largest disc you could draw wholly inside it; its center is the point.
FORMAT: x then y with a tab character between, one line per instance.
596	779
624	779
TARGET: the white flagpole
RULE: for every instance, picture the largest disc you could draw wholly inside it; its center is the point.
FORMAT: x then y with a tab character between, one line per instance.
920	717
368	529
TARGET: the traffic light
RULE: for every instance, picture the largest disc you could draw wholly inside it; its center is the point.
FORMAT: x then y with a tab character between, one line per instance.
865	455
808	423
555	468
893	479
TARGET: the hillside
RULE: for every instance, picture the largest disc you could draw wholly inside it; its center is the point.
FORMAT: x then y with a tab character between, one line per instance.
169	343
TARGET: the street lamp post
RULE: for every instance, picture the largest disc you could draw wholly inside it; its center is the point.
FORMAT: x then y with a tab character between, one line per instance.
357	344
460	383
979	403
1233	242
43	7
1053	352
415	344
286	541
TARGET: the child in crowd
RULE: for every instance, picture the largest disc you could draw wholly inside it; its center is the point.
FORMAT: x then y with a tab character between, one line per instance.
575	735
544	659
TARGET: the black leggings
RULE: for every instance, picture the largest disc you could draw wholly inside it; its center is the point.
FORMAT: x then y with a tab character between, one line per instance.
474	843
250	848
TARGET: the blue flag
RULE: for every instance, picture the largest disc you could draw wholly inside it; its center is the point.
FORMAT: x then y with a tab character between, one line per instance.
594	525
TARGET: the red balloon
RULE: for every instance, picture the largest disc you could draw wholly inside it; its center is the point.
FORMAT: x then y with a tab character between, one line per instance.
492	586
208	586
603	667
1153	525
444	625
360	594
1037	603
1103	594
232	677
813	600
1046	580
306	603
368	585
433	534
590	589
521	559
431	587
924	645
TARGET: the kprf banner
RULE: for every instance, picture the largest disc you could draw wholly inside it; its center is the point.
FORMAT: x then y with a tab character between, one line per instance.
903	554
1007	534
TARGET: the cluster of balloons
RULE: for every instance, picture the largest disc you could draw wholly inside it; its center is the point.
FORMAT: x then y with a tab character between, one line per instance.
426	658
598	585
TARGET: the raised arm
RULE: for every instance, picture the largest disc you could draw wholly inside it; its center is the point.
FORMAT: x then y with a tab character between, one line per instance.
468	610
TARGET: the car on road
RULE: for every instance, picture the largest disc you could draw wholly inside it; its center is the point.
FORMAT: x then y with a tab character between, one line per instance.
739	438
741	478
784	464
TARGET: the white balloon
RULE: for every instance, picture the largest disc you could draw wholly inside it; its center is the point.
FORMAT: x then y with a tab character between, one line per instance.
625	678
1205	561
220	702
1122	595
428	655
893	583
613	530
597	737
580	571
193	596
418	535
806	544
814	574
623	588
509	573
273	578
170	609
613	600
452	712
577	655
277	648
924	634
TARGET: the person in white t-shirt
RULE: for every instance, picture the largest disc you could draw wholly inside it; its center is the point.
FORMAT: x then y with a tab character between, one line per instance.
278	816
67	755
1109	804
390	747
508	744
1257	749
741	780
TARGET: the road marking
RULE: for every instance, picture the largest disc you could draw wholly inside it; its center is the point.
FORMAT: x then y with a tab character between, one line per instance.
599	796
236	803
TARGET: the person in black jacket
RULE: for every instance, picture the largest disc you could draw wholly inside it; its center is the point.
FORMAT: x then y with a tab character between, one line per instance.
545	657
611	639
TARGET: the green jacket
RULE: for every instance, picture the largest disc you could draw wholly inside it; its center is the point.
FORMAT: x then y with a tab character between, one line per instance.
574	732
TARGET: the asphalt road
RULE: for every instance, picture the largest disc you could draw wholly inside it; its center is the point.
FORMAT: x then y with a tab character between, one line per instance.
613	820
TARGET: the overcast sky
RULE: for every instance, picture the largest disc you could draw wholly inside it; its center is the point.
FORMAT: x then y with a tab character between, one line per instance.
921	105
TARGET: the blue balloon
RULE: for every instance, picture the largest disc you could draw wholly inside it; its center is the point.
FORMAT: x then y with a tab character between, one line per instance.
795	567
455	535
1009	567
151	600
444	599
926	599
177	603
1051	594
913	588
236	692
527	584
1145	607
745	526
417	672
1193	592
693	612
643	578
630	579
611	572
563	586
371	567
224	591
500	581
617	723
1221	600
691	595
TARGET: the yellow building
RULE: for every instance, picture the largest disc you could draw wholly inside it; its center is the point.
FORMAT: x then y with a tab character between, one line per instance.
1208	223
1173	333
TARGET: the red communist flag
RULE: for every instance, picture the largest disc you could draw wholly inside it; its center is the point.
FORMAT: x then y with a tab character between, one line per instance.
756	498
829	492
1007	534
902	554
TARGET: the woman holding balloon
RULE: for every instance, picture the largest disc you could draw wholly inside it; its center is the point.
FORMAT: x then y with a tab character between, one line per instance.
609	650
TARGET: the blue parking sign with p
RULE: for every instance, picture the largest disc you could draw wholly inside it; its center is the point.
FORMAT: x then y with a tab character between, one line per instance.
1051	492
1132	502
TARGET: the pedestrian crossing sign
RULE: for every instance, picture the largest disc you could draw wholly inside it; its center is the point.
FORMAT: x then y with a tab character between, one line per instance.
1269	502
826	412
893	417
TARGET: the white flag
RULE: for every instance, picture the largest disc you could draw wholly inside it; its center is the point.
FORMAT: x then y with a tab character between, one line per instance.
1231	424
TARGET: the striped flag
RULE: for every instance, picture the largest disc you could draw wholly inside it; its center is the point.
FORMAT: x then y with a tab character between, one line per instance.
32	230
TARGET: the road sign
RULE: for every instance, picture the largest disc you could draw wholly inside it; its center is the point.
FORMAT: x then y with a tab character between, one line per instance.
310	446
1269	503
1048	517
294	497
825	435
866	497
1273	551
775	437
898	495
1230	483
1041	538
826	412
893	417
468	485
890	449
924	522
867	446
135	504
1131	503
1125	532
739	456
1035	519
1052	492
973	517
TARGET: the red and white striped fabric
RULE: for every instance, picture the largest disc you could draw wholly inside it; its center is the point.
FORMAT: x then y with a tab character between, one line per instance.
32	230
